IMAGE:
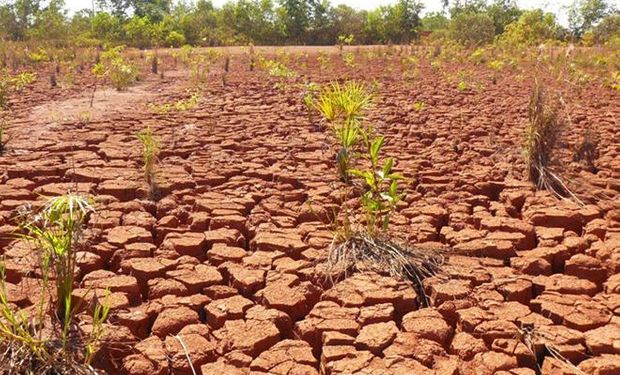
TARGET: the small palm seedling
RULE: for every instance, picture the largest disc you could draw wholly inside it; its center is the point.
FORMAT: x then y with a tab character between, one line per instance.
48	339
310	90
150	151
542	135
587	151
343	109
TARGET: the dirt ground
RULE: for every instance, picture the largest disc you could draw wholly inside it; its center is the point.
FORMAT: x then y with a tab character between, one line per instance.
229	262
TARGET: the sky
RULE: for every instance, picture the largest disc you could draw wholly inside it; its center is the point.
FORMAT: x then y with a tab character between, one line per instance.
556	6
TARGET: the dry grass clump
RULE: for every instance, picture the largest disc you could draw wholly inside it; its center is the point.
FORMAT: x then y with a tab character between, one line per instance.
361	251
542	136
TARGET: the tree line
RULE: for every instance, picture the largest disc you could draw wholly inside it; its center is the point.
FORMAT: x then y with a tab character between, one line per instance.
168	23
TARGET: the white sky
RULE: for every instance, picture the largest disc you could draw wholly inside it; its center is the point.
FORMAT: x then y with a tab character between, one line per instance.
556	6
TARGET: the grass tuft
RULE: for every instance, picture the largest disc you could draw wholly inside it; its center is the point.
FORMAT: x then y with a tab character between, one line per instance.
45	338
150	151
542	136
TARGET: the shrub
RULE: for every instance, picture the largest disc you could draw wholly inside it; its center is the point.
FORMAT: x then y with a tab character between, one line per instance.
472	29
175	39
121	74
49	341
533	27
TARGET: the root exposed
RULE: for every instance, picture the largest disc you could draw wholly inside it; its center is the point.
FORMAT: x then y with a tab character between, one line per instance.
362	252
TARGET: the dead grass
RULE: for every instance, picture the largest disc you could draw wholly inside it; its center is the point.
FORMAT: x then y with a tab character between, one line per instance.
363	252
542	136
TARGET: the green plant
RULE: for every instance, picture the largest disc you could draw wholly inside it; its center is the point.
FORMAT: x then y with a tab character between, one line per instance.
310	90
180	105
150	151
381	185
349	59
50	342
343	107
121	74
418	105
323	60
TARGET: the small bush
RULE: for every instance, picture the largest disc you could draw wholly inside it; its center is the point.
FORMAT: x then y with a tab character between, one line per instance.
175	39
122	74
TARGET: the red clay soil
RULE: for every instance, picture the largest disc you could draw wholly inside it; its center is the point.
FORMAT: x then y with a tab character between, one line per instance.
230	258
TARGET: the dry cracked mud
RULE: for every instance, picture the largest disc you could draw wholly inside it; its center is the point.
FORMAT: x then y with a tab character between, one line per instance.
229	259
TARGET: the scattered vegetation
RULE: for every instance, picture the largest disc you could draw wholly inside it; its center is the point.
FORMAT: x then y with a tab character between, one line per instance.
121	73
180	105
46	338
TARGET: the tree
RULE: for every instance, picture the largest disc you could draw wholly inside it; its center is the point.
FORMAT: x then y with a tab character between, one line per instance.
467	6
409	14
608	28
533	27
584	14
50	22
295	15
434	21
472	29
503	13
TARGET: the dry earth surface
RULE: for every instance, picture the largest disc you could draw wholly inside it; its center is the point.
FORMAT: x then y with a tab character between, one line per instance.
230	258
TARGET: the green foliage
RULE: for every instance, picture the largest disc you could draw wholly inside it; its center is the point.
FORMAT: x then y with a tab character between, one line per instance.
343	107
381	185
435	21
10	83
175	39
583	14
181	105
472	29
418	105
532	28
277	69
349	59
121	73
607	29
